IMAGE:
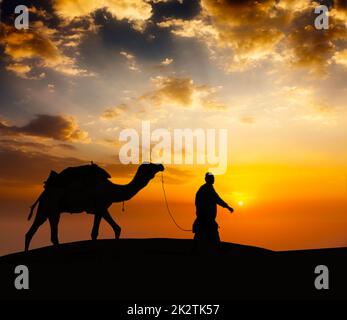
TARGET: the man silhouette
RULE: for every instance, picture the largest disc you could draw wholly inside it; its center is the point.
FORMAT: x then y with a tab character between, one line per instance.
205	226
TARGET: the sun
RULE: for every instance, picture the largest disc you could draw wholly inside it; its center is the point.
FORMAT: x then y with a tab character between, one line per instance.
240	203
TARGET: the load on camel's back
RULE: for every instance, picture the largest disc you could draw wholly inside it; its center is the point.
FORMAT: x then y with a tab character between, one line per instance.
80	176
79	179
85	189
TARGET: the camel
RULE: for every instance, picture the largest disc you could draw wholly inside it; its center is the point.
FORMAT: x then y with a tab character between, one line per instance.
94	199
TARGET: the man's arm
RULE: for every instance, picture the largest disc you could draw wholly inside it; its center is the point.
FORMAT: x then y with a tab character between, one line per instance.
222	203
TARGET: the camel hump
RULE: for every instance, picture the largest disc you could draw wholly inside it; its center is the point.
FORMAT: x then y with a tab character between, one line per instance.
82	175
51	179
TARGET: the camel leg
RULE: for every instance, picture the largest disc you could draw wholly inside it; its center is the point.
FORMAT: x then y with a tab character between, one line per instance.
116	228
95	230
39	220
54	222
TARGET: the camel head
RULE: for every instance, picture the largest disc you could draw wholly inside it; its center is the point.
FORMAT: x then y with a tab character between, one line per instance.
147	170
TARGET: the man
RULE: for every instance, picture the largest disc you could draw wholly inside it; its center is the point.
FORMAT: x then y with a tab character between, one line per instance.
205	226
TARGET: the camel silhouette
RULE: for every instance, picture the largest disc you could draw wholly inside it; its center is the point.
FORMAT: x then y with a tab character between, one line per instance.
85	189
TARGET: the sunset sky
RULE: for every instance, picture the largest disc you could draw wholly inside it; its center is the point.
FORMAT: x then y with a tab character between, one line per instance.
87	69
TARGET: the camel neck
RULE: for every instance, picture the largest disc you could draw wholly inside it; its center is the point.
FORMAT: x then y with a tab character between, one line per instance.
136	184
127	191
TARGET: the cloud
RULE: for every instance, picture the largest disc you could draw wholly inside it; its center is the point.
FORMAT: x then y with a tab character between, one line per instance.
67	147
305	104
41	43
60	128
169	91
137	12
21	70
131	61
24	146
294	5
247	120
242	34
18	167
112	113
323	108
30	146
24	71
39	12
182	92
51	88
36	42
341	58
311	48
166	62
339	11
163	65
191	28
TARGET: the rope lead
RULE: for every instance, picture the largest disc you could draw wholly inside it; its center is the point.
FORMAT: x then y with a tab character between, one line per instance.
168	209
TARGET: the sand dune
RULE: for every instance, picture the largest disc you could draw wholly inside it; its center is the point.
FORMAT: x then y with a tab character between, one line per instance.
166	269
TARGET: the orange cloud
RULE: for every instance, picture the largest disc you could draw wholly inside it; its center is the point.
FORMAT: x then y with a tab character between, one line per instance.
21	70
34	43
242	34
41	13
181	92
137	12
247	120
341	58
166	62
312	48
131	61
339	11
47	126
112	113
20	167
41	43
172	90
245	27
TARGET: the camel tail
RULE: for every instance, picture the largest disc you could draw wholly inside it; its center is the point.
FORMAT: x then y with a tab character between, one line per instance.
32	208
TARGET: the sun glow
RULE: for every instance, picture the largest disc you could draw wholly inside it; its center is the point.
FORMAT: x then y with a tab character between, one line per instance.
240	203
